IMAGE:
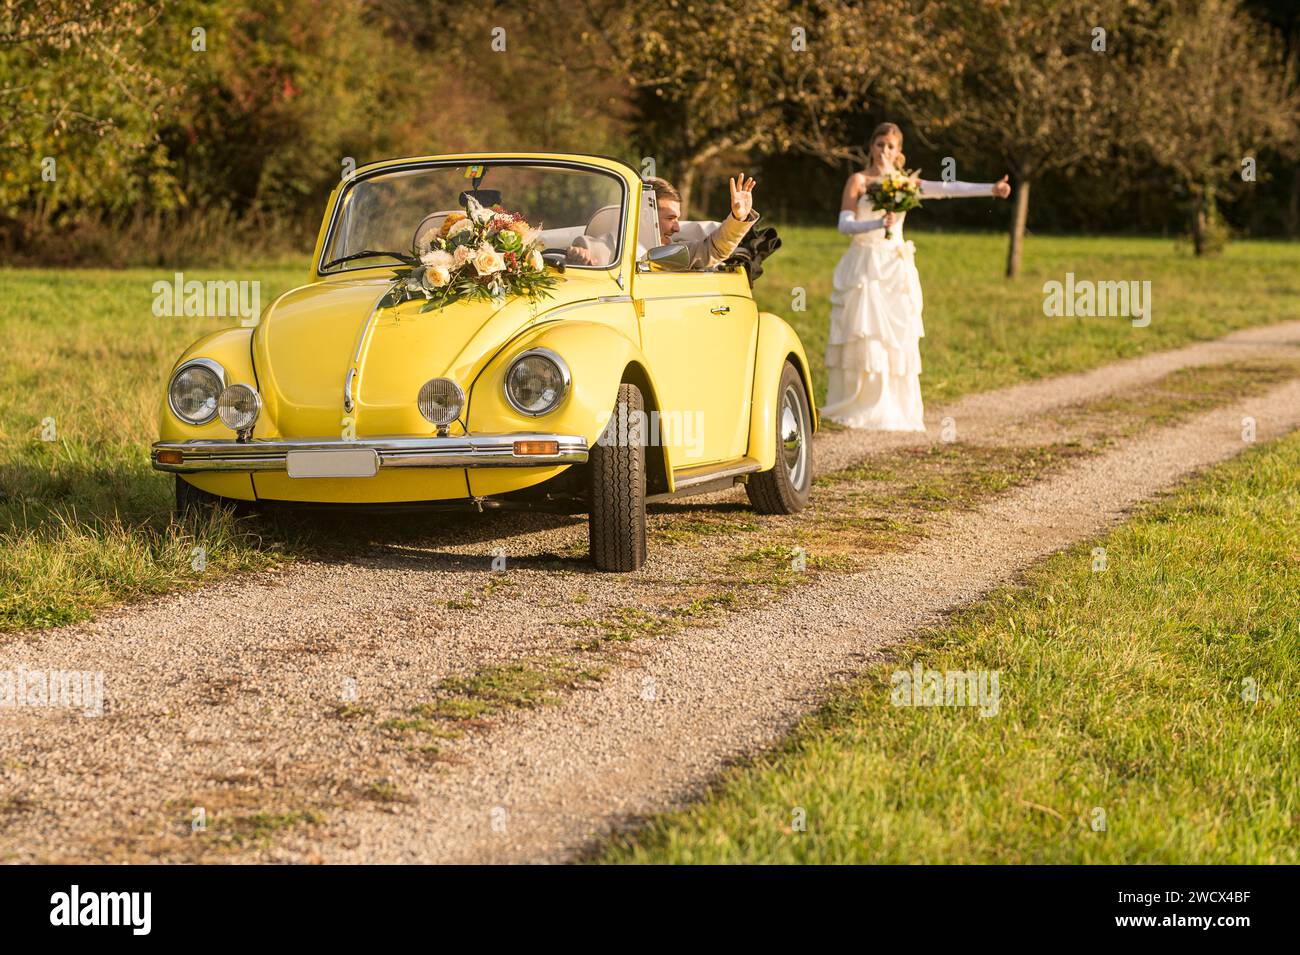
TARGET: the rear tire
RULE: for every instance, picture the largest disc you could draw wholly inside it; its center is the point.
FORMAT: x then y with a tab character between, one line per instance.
785	488
617	466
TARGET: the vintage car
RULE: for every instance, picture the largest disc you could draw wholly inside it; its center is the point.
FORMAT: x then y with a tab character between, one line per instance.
630	382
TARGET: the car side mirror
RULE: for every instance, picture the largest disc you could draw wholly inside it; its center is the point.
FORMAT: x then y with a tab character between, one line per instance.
554	259
674	257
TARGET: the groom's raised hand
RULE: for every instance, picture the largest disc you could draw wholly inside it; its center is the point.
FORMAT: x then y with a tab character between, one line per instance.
742	196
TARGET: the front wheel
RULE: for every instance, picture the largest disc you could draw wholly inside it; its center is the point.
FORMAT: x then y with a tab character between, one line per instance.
617	525
195	507
785	488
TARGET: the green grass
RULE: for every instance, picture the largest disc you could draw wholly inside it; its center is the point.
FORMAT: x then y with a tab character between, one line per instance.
260	828
84	521
487	693
984	332
1156	696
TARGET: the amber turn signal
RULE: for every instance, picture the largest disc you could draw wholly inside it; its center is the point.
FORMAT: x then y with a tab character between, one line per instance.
537	447
171	457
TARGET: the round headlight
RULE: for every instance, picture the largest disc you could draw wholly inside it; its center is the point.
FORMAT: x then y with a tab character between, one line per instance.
441	401
238	407
537	382
192	393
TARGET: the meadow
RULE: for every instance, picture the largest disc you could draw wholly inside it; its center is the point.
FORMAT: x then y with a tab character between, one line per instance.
86	523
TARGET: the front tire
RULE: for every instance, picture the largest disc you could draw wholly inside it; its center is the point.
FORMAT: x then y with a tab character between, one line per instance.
195	507
617	466
785	488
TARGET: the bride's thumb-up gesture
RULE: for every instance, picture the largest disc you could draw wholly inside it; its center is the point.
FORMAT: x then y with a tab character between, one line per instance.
742	196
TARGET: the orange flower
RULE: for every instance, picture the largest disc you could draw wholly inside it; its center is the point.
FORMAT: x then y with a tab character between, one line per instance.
451	220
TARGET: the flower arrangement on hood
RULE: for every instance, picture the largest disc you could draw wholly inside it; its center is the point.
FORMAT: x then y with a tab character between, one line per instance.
482	254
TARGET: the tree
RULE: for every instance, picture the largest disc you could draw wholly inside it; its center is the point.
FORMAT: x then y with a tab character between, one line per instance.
284	92
79	99
727	77
1040	90
1210	90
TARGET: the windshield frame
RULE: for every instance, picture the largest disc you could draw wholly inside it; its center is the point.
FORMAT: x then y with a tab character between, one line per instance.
615	262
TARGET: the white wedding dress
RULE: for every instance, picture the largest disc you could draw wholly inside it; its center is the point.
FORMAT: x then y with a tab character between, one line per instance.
873	355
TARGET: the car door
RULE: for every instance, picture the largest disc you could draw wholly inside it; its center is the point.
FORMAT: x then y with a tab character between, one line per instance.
699	331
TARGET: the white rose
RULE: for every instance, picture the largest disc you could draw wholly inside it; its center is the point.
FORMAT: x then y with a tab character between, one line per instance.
488	260
535	260
462	255
436	276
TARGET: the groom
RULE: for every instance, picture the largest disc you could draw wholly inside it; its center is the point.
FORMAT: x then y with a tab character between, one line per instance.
708	251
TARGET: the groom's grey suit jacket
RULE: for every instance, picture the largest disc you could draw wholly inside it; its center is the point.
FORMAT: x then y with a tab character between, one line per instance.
709	250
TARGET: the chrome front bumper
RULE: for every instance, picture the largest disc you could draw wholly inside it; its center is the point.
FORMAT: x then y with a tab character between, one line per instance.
464	451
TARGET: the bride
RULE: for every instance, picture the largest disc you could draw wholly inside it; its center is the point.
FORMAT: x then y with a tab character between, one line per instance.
873	358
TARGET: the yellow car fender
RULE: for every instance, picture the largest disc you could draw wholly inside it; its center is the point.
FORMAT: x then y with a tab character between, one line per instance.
230	348
777	344
600	357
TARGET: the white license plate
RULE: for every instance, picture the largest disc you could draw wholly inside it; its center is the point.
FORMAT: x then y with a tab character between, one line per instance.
352	463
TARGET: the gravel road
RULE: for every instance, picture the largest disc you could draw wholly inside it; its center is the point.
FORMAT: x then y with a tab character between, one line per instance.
228	697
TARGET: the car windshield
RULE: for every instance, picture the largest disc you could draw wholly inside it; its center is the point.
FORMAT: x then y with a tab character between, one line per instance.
391	211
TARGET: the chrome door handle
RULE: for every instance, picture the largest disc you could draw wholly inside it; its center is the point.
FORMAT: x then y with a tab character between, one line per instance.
720	310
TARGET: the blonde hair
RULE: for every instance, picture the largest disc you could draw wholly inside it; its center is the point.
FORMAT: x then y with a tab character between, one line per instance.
888	129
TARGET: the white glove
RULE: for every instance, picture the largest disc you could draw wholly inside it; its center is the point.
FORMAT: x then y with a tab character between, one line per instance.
935	189
851	226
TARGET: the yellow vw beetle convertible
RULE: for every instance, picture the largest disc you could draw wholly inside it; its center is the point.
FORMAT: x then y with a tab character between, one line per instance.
449	350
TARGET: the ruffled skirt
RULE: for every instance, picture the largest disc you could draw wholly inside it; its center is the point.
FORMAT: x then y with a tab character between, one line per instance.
873	357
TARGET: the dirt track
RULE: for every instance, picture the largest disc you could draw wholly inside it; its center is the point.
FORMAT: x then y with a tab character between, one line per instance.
228	697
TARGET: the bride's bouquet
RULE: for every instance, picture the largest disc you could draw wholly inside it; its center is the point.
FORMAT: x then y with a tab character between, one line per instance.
895	192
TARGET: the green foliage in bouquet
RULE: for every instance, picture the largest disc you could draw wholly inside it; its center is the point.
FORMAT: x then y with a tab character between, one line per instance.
895	192
483	254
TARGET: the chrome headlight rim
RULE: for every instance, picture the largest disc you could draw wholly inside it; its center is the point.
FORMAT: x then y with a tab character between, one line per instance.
257	407
566	381
211	366
459	396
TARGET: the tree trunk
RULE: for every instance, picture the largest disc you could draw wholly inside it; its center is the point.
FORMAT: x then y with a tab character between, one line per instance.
1207	238
686	184
1018	221
1198	222
1292	215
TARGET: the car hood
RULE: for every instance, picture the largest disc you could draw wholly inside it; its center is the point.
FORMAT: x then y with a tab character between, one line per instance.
305	346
